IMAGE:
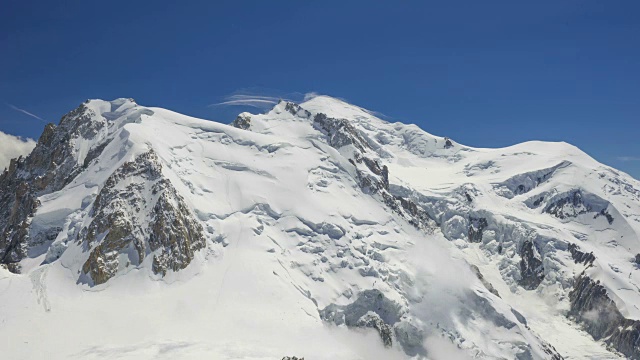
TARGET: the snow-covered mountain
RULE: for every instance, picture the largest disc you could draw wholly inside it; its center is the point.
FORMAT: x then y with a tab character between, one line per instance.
315	230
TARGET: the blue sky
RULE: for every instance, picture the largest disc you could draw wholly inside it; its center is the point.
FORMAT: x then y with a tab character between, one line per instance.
485	73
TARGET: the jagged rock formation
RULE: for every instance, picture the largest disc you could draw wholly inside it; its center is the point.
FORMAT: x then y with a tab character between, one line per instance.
313	214
577	202
52	164
134	194
61	154
592	307
243	121
447	143
581	257
339	132
531	268
372	310
484	281
476	228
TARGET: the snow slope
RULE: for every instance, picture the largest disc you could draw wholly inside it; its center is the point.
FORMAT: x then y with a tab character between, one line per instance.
335	236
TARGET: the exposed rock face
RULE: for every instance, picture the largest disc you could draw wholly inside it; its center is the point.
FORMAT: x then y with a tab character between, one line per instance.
569	206
374	179
578	202
447	143
531	268
371	309
373	320
476	228
132	194
484	281
295	109
581	257
606	214
243	121
592	307
371	177
339	132
52	164
18	203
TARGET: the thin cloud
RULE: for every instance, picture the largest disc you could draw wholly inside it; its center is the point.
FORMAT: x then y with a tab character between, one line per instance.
629	158
260	98
26	112
265	99
257	101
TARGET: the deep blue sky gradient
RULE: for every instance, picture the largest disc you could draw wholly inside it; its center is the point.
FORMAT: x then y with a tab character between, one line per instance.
485	73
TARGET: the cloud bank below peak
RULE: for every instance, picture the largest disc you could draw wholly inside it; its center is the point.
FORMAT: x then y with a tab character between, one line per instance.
13	147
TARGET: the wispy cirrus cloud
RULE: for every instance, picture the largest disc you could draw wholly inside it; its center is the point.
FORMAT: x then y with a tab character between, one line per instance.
265	99
629	158
26	112
260	98
259	101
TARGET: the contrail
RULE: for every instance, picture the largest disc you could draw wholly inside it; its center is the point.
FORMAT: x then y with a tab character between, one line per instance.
27	113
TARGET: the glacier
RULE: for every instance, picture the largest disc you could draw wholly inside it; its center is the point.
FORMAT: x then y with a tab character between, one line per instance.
314	230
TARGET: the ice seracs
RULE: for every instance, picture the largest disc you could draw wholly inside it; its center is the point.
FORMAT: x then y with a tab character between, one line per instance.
317	229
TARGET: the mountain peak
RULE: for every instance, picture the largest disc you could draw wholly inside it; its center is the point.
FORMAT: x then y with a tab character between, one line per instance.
336	108
310	215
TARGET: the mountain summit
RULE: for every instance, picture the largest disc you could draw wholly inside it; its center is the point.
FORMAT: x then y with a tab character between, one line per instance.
315	230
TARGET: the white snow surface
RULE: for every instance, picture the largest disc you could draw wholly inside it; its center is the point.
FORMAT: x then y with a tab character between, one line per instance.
290	232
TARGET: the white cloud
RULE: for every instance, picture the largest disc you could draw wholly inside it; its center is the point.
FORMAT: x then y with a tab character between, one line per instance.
262	98
629	158
265	99
248	100
12	147
26	113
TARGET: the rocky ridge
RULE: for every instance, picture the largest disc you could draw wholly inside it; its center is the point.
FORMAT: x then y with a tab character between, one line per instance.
526	229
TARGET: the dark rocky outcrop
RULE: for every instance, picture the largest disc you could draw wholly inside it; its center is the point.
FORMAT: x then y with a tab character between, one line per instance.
538	201
18	203
373	320
581	257
577	202
339	132
242	121
531	269
468	197
52	164
135	192
295	109
606	214
371	177
476	228
484	281
599	316
371	309
568	206
447	143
